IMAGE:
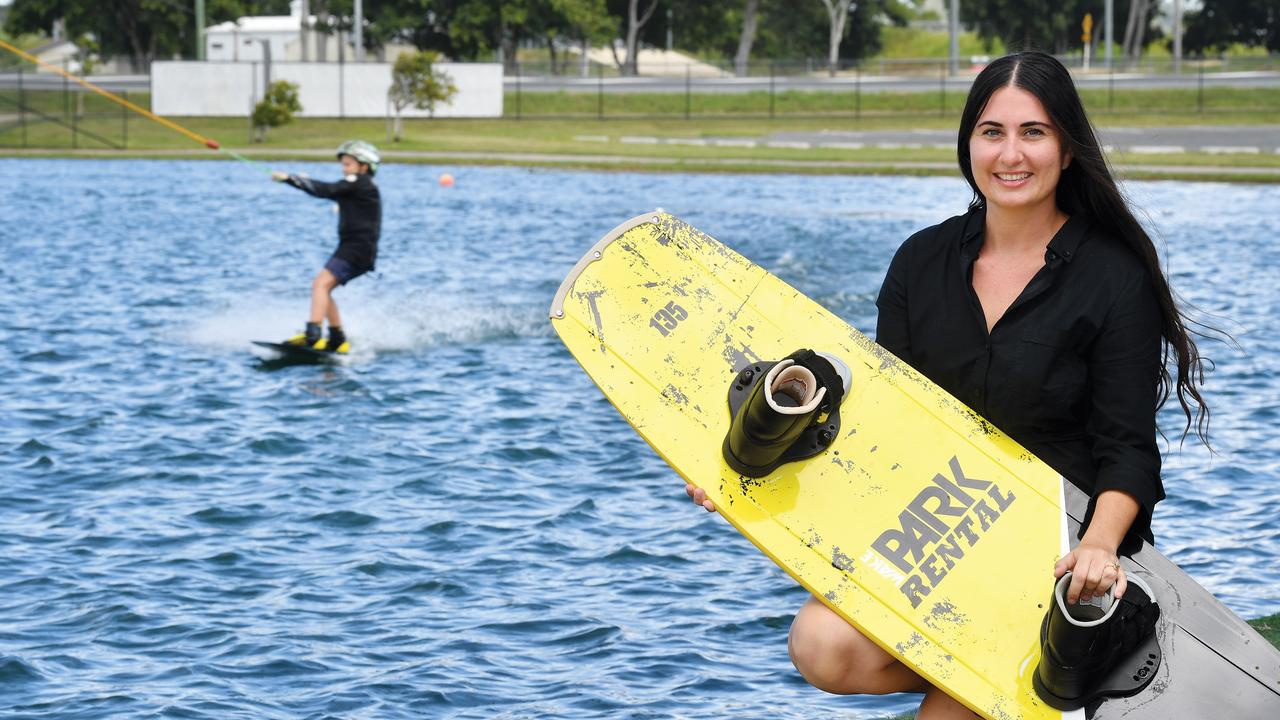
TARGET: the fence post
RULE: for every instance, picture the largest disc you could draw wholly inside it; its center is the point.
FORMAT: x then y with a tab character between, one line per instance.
22	107
1200	88
1111	88
688	92
600	91
772	73
519	110
124	121
942	86
67	104
857	92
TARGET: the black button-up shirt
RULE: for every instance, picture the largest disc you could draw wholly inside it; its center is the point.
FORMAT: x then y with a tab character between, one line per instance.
1070	371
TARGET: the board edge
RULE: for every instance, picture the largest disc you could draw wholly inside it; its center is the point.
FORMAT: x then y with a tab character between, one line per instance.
557	303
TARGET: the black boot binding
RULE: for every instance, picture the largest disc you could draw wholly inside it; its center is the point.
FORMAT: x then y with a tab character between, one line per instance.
784	411
1101	648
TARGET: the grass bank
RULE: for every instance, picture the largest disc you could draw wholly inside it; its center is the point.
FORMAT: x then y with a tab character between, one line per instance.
1214	105
56	127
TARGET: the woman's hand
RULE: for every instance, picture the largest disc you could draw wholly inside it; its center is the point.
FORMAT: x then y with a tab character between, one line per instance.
1095	568
700	497
279	176
1093	564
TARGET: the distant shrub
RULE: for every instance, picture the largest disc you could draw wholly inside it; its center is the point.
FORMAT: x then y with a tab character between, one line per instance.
415	81
276	108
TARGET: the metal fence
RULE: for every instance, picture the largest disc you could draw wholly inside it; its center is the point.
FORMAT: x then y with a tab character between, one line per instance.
874	88
44	110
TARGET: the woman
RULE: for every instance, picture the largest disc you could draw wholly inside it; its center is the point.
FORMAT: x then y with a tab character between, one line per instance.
1045	309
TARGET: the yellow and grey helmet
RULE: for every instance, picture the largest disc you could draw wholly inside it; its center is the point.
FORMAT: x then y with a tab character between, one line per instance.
363	152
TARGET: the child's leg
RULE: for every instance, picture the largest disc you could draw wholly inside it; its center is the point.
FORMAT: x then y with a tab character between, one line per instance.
324	284
335	319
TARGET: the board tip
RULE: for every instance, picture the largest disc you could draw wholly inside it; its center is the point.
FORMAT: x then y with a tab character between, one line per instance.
213	144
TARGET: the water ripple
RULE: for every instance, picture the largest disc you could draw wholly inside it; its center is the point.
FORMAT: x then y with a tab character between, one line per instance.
456	523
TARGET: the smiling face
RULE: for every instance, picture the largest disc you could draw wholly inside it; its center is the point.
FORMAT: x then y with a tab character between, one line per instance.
1016	153
351	166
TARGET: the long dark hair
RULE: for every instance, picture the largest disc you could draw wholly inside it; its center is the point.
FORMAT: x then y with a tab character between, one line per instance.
1087	187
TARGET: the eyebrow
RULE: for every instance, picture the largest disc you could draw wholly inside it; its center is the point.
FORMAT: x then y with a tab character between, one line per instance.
1029	123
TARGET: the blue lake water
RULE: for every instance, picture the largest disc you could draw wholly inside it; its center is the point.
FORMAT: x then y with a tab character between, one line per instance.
456	523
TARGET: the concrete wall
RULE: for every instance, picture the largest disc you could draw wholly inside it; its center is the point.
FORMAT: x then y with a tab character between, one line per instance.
325	89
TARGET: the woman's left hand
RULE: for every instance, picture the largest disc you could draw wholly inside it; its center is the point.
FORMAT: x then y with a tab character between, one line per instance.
1094	569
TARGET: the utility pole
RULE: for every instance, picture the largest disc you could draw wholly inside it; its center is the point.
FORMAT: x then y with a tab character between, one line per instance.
359	31
200	30
1177	36
954	28
670	44
1106	29
304	55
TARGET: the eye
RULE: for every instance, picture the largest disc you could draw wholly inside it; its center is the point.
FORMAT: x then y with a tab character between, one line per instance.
1035	132
990	132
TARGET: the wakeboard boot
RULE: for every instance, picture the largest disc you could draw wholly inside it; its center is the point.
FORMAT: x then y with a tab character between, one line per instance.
1102	647
784	411
337	341
308	338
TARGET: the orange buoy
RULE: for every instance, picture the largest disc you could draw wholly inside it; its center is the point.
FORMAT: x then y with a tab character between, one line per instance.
446	180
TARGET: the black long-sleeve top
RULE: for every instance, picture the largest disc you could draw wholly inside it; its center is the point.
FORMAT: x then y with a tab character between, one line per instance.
1070	371
359	215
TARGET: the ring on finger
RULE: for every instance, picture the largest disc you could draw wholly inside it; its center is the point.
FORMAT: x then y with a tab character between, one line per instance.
1114	565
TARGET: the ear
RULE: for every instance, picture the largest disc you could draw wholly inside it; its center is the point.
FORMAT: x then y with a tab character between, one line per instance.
1066	160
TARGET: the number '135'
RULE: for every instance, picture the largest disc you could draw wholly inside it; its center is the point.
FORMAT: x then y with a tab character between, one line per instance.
666	319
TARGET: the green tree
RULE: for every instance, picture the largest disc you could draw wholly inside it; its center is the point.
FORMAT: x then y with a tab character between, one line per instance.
793	30
87	54
1220	23
416	81
747	37
633	16
837	15
276	108
141	30
1054	25
584	22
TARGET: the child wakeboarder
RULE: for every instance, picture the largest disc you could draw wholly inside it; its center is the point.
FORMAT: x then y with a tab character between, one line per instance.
359	225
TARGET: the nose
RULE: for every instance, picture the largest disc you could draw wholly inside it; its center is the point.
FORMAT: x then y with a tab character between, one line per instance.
1011	151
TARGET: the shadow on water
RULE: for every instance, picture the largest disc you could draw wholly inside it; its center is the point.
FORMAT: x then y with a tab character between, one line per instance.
281	363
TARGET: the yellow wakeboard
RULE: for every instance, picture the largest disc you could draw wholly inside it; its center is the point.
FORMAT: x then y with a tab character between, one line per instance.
921	524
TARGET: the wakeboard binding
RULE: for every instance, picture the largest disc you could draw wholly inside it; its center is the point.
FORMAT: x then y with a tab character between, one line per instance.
1103	647
783	411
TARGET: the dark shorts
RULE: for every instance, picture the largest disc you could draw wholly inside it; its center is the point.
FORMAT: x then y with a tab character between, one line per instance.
344	271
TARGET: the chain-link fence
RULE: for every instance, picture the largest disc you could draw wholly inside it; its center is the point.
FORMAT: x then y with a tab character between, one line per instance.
46	110
872	88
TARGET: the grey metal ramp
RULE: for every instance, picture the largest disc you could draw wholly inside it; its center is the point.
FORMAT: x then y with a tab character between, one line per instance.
1215	666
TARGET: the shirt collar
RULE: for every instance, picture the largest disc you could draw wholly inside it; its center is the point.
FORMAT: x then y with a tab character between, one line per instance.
975	222
1062	247
1067	240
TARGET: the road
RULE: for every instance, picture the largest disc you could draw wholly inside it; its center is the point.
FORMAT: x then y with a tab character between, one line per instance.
867	83
814	82
1243	139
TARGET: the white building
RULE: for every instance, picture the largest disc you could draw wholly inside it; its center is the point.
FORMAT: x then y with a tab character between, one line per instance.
242	40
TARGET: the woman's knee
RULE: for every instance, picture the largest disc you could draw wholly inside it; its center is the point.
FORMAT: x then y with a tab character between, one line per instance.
833	656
